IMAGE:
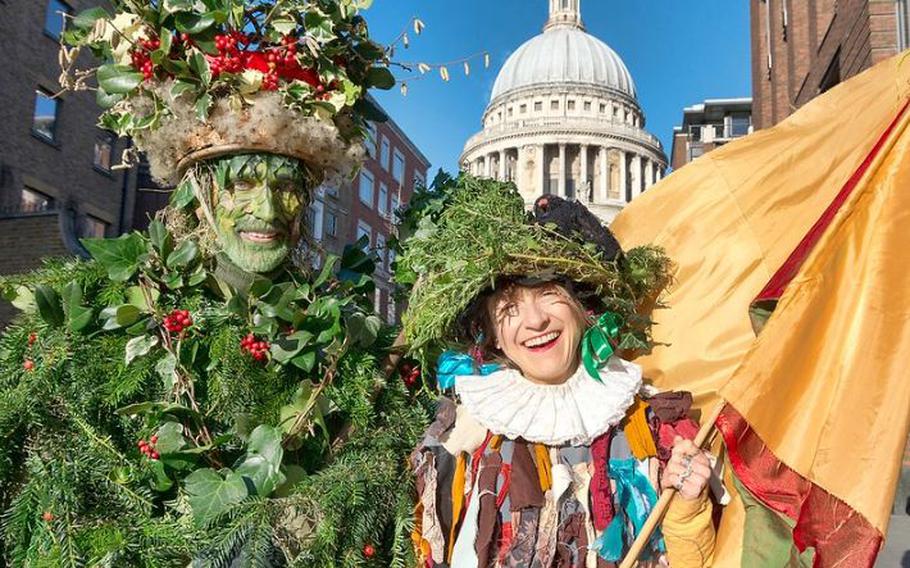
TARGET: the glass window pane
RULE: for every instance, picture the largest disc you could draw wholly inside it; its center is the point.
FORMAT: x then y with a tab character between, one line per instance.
54	22
103	149
33	201
398	167
44	121
383	198
93	228
366	188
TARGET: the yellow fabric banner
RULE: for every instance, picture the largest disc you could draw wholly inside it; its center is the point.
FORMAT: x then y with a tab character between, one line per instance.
824	385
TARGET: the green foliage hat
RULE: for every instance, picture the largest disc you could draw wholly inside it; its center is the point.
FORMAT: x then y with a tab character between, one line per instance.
191	80
465	235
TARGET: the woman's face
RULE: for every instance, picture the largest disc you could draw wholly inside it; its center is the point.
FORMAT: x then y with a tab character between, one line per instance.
538	329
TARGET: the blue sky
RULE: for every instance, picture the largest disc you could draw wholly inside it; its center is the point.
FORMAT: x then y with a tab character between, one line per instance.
679	53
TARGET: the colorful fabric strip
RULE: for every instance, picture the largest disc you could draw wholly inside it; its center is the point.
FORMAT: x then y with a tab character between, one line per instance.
597	343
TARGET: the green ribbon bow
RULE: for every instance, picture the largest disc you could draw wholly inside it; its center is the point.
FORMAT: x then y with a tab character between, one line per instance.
597	343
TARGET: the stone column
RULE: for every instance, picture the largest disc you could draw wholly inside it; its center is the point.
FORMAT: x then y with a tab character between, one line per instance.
502	165
636	176
540	181
649	173
488	165
660	174
623	175
562	171
604	175
583	183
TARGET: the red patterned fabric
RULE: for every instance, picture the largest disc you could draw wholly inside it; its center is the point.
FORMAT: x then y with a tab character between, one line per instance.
601	491
839	535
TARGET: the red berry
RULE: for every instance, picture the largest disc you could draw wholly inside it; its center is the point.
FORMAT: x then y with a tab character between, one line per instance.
32	338
47	516
141	444
154	455
28	365
154	439
369	551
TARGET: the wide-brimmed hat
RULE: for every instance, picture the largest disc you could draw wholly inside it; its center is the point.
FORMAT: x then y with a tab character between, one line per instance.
468	235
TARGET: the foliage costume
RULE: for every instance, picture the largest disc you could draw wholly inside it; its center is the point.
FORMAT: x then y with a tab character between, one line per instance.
514	473
201	395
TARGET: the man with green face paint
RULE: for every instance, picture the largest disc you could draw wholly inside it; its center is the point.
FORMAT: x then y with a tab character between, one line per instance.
258	201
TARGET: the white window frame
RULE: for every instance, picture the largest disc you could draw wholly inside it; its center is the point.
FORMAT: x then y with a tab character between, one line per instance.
318	208
385	153
370	142
383	204
419	179
364	228
365	175
331	229
397	173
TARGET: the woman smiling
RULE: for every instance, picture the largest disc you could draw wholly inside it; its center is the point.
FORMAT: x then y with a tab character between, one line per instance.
552	452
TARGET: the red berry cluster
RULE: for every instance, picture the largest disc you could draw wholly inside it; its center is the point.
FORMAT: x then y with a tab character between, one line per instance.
148	448
28	365
410	374
177	321
47	516
230	58
141	59
369	551
257	348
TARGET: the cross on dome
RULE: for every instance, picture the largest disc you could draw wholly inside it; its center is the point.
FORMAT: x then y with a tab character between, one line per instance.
564	14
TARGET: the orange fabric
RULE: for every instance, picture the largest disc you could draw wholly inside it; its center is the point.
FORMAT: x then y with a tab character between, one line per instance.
544	471
458	483
823	384
638	432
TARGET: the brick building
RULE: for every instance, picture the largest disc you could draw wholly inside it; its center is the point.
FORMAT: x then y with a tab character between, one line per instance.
56	179
801	48
709	125
366	207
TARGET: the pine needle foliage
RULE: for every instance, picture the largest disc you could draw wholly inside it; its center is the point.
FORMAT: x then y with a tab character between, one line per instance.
77	392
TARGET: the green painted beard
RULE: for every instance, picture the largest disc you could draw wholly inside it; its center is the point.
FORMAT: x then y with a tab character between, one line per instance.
258	201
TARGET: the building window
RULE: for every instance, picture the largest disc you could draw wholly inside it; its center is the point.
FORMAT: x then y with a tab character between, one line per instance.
33	201
54	20
510	111
377	300
554	105
44	121
523	109
92	228
104	147
419	180
587	105
366	188
385	153
381	251
391	314
396	203
315	216
570	105
739	125
538	106
331	224
364	230
398	167
603	108
369	143
383	205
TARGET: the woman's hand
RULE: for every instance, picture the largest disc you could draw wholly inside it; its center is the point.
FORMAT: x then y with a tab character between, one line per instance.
687	471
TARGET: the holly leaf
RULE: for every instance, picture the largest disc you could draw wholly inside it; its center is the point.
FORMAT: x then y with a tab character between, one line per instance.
77	315
118	79
380	78
185	253
190	23
305	361
210	494
139	346
167	370
262	464
87	18
120	257
49	307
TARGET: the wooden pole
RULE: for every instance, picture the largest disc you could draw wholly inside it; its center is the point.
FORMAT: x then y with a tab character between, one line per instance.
667	495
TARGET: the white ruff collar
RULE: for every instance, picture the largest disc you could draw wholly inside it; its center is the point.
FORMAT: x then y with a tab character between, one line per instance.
575	412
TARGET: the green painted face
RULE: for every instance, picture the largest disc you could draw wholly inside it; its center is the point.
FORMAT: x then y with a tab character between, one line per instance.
258	202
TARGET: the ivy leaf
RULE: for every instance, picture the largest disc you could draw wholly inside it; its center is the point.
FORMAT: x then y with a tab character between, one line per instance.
380	78
77	315
284	26
167	370
160	237
210	494
185	253
328	269
318	27
107	100
120	256
305	361
49	307
170	438
118	79
135	297
139	346
363	329
161	481
262	464
202	107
